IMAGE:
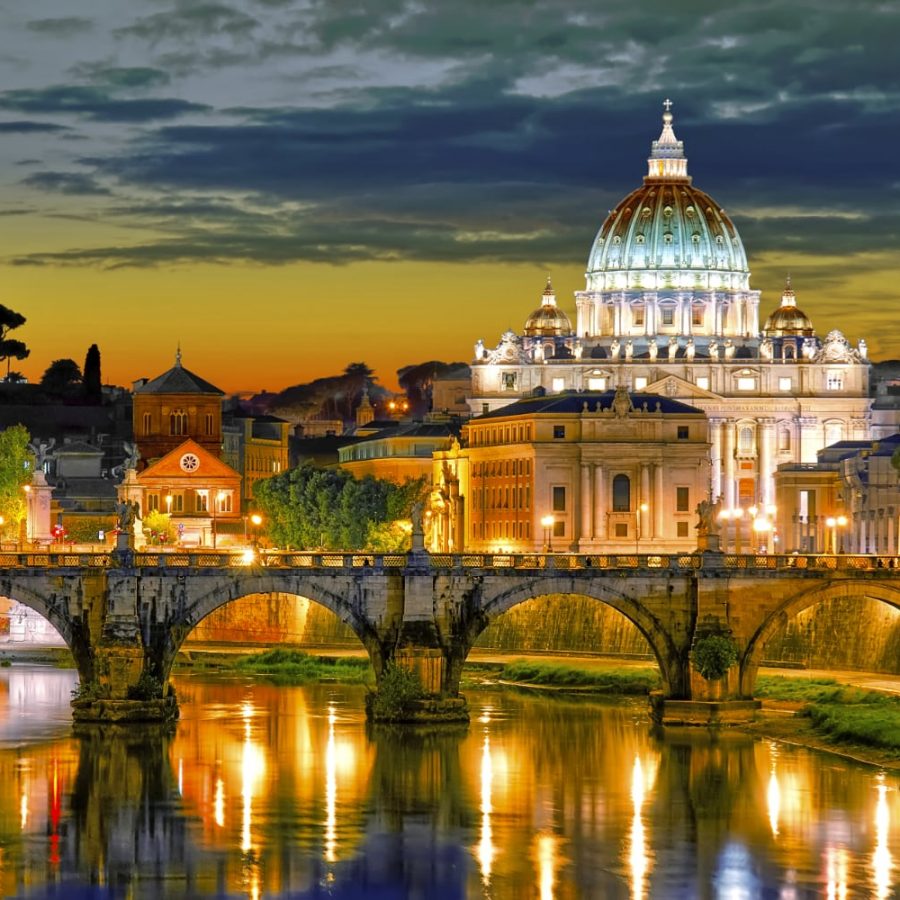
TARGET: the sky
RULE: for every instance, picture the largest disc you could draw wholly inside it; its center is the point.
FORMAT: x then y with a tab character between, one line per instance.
287	187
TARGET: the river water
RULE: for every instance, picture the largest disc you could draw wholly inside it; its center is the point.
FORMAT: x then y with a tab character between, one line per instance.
269	790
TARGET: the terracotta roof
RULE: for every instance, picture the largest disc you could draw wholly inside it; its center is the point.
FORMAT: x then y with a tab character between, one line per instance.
178	380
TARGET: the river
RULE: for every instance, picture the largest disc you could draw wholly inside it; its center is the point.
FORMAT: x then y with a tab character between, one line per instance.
268	790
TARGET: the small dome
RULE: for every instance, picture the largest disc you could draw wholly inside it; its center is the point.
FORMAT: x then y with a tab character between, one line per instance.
548	320
788	320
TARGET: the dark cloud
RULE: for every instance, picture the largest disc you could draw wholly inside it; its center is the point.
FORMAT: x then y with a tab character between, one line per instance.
94	103
61	27
115	78
23	127
190	21
65	183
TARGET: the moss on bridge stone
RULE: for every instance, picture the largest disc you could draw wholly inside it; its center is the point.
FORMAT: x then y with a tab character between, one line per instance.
164	709
425	711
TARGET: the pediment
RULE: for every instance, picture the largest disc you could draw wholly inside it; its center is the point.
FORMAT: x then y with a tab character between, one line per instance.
679	388
170	465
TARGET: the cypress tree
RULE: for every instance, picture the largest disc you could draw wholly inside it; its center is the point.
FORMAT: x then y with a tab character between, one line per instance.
91	375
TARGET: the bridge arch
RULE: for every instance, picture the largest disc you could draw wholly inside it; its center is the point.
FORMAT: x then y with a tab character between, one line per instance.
672	666
166	643
854	589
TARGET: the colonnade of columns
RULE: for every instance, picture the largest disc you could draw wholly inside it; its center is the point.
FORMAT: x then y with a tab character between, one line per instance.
647	502
727	456
734	315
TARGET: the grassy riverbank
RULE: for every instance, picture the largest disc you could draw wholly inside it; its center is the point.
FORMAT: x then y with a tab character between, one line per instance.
287	666
839	713
623	681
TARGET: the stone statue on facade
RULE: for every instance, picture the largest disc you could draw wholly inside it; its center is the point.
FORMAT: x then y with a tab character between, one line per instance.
614	349
673	348
42	451
579	349
730	349
653	348
808	350
126	512
629	349
766	348
714	349
863	349
690	350
479	349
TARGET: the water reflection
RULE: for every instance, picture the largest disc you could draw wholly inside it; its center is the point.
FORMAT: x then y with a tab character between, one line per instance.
269	791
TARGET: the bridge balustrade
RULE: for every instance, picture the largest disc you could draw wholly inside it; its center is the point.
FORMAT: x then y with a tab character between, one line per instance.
494	561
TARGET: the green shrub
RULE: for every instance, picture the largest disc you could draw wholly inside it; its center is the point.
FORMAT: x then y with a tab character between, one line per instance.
287	665
149	687
612	681
714	655
398	690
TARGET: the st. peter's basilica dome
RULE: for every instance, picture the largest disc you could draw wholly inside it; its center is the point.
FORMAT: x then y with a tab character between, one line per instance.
788	320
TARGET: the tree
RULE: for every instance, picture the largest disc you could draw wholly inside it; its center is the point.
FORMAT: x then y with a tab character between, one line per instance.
329	509
16	469
93	387
159	527
10	348
61	375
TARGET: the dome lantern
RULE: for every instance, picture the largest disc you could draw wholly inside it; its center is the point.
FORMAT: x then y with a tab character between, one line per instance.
548	320
788	320
667	160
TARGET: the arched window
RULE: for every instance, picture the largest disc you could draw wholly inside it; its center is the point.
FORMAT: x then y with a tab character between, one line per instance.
178	422
621	491
746	439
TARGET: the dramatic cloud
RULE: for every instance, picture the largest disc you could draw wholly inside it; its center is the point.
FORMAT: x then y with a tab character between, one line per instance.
24	127
65	183
61	28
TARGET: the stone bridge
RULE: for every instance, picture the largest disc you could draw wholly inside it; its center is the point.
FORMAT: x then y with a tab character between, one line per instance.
125	615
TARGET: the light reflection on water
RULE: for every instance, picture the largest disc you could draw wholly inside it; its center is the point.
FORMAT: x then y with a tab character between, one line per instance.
267	790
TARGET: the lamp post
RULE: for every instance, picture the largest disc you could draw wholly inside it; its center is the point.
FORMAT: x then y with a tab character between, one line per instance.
638	514
548	522
256	521
833	523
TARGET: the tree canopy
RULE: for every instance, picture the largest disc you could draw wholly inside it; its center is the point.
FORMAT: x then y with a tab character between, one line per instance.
16	469
10	348
61	375
309	508
93	386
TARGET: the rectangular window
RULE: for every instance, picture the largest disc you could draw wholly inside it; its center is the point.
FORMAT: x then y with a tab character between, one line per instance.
202	504
621	529
485	408
596	384
746	383
559	499
640	383
681	529
559	529
152	502
509	381
637	315
147	423
703	382
834	381
209	423
682	499
684	432
785	384
223	502
177	503
559	384
697	315
559	432
667	315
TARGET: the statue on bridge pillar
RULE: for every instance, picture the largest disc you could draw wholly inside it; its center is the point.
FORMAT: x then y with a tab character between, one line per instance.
707	526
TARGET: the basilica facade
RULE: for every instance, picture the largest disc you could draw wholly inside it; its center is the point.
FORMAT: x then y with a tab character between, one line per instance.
668	309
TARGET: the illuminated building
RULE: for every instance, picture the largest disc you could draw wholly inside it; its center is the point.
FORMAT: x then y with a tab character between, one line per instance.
668	309
397	452
591	472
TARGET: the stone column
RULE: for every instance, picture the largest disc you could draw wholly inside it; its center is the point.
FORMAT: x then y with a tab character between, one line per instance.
728	492
766	460
659	529
650	314
599	503
715	440
808	438
891	532
587	503
645	498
